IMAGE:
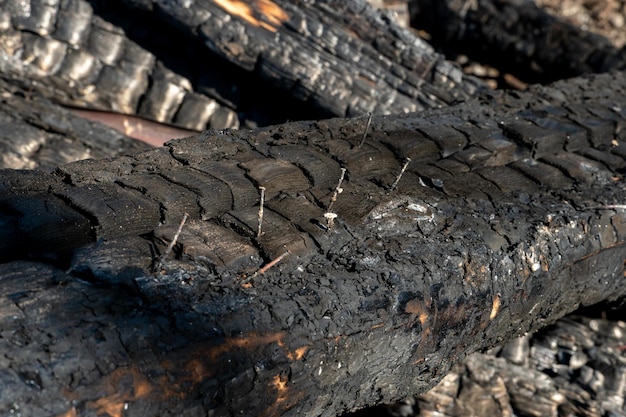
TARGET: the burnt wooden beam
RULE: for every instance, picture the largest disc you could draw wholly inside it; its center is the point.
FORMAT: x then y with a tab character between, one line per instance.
37	134
47	136
508	215
347	57
516	37
224	64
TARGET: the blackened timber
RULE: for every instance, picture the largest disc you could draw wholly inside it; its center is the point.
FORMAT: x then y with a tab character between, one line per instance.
516	37
37	134
497	383
205	64
342	56
378	307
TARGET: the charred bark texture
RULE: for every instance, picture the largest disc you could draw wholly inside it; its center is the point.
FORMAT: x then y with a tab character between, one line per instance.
517	37
204	64
508	216
575	367
37	134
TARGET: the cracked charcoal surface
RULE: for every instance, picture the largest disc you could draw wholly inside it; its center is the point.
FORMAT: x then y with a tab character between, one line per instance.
468	251
310	63
503	222
517	37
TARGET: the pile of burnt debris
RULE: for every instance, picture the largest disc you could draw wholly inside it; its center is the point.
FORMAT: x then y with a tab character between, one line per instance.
403	208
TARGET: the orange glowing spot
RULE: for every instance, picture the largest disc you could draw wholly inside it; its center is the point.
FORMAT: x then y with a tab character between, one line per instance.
285	398
253	11
202	360
153	133
415	307
495	307
297	354
121	391
417	361
249	342
142	388
423	317
69	413
113	405
279	384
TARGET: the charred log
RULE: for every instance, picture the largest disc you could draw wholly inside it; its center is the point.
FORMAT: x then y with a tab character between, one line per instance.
206	64
44	241
516	37
37	134
508	216
573	367
576	365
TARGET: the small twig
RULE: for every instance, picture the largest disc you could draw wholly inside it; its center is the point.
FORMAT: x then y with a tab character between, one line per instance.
395	183
273	262
259	232
338	190
367	128
270	264
608	207
172	243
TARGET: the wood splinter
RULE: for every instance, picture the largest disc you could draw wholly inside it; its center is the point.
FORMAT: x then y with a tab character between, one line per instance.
608	207
260	218
329	215
172	243
267	266
367	128
338	190
404	167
